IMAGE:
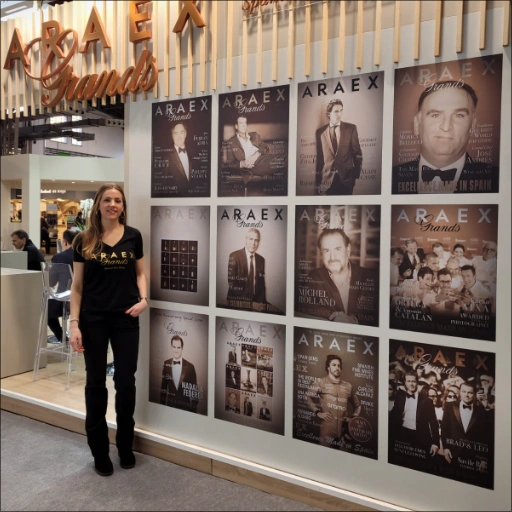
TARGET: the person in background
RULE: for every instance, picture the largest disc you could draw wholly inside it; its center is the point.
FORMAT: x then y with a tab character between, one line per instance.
45	233
108	294
458	254
79	221
60	277
21	242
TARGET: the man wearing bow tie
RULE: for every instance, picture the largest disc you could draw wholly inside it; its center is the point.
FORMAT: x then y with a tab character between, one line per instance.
339	155
413	420
444	121
233	402
180	161
178	379
467	428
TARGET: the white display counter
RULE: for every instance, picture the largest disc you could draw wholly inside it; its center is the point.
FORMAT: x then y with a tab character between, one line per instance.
14	259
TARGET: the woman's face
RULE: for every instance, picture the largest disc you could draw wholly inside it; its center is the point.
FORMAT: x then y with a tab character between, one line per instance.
111	204
459	253
452	395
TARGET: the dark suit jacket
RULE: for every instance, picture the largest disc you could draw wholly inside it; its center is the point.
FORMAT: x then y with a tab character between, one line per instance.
176	170
232	357
264	414
347	160
34	256
60	276
238	272
479	427
405	177
234	152
406	263
248	409
261	390
237	410
322	281
427	427
172	392
231	384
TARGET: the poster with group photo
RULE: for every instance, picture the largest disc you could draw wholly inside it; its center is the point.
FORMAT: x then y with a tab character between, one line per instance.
446	132
337	253
253	142
441	411
178	360
339	135
181	133
180	254
249	373
251	258
335	390
443	269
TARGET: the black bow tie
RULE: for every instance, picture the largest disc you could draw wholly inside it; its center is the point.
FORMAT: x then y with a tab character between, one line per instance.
428	174
466	406
176	362
182	150
411	396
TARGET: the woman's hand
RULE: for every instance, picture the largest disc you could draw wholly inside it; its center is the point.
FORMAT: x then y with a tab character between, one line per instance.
75	338
138	308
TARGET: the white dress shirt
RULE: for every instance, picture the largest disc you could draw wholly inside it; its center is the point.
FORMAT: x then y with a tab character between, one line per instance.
437	185
342	282
410	408
248	147
336	131
465	415
486	270
176	371
184	160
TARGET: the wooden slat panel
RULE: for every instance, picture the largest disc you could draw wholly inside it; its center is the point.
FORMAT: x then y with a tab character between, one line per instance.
396	35
229	46
245	45
325	36
202	57
10	74
154	26
307	40
25	30
123	33
104	51
291	41
360	17
55	16
114	57
343	27
275	43
378	33
190	58
214	45
417	29
3	72
77	56
167	43
96	47
460	20
145	46
438	28
85	56
178	63
259	49
506	24
483	18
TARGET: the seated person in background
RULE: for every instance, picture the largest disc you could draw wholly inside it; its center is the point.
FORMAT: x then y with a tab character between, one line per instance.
45	233
60	277
22	242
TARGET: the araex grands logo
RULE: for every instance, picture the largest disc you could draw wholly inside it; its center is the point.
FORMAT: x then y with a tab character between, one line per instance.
140	77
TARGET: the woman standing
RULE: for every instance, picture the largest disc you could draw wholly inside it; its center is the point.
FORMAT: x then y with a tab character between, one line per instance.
108	294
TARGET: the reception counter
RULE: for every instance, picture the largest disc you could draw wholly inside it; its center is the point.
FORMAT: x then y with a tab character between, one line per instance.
20	311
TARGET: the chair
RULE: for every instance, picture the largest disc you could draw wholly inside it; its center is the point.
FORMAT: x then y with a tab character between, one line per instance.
57	279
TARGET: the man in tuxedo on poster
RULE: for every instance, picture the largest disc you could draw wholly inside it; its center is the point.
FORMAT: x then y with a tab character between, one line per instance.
444	121
339	155
413	419
180	160
176	372
264	412
339	279
246	274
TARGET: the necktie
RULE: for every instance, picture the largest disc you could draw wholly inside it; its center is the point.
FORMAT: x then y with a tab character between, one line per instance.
176	362
182	150
411	396
466	406
428	174
334	139
251	277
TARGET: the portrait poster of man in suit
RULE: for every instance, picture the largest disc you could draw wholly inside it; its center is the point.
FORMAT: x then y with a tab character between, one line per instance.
337	252
245	385
442	418
335	390
253	142
179	360
446	132
251	258
181	148
339	135
459	299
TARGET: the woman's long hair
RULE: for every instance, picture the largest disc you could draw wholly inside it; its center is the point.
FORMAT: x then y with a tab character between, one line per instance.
90	239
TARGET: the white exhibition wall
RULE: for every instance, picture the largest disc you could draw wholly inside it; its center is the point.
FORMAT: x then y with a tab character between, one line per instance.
377	479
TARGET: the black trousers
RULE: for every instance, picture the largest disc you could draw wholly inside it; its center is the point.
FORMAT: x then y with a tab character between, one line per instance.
123	332
338	188
45	237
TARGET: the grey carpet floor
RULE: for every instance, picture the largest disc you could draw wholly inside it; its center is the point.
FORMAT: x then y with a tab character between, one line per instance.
48	468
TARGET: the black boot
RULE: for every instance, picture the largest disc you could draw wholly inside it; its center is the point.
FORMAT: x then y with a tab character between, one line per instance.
103	465
127	459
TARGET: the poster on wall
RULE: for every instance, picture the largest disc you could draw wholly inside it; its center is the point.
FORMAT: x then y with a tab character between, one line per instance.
444	269
253	142
446	132
335	390
251	258
441	411
337	253
339	135
180	254
181	148
249	373
178	360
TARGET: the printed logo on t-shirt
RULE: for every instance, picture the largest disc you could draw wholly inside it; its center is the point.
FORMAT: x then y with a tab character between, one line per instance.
114	259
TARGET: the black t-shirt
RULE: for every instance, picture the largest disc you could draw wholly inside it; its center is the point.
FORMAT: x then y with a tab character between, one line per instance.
110	277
